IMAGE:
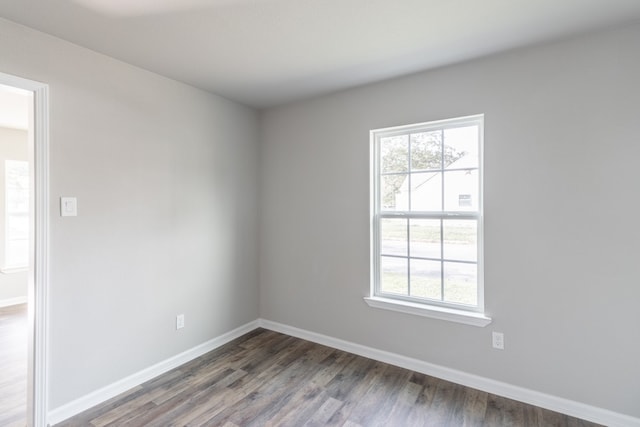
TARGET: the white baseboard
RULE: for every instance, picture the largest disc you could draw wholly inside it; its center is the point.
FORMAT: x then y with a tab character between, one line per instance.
558	404
94	398
547	401
13	301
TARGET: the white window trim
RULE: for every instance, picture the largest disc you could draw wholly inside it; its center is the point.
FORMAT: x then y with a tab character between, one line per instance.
433	311
450	312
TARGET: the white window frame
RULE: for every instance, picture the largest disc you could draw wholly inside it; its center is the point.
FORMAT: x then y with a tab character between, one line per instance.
467	314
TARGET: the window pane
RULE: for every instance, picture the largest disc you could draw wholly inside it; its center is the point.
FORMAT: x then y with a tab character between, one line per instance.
393	275
394	154
426	191
393	236
461	190
461	147
17	227
17	200
425	279
17	213
17	253
460	283
426	150
425	238
460	240
393	192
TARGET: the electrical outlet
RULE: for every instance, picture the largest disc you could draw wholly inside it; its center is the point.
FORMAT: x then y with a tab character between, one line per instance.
498	340
180	321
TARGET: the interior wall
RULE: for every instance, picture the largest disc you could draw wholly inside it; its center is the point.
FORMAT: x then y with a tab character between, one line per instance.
13	146
561	241
166	181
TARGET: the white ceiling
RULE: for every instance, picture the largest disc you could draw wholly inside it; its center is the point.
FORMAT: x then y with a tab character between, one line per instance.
268	52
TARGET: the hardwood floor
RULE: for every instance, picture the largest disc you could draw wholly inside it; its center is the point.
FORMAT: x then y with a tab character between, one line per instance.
13	365
269	379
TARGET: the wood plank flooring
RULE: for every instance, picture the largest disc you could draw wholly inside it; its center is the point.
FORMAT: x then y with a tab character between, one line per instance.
269	379
13	365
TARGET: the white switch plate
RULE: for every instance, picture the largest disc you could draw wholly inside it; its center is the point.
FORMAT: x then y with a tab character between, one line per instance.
68	206
180	321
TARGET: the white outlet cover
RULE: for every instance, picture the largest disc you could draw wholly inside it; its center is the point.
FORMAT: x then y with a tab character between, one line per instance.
498	340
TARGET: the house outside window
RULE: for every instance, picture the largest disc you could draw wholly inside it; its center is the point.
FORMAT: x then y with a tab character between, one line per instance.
426	217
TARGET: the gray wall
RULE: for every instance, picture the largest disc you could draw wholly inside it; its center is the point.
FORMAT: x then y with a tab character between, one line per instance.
561	237
13	146
166	181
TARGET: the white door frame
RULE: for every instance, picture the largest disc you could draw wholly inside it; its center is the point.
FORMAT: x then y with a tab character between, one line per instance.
38	296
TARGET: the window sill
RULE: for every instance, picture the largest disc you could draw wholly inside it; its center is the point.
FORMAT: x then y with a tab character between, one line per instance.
434	312
11	270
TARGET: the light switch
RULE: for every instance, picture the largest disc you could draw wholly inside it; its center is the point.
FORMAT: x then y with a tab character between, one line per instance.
68	206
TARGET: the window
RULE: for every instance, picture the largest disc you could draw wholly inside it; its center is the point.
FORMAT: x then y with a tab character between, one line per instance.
427	219
17	214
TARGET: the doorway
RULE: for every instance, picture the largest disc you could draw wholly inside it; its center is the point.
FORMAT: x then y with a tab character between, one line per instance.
16	107
24	225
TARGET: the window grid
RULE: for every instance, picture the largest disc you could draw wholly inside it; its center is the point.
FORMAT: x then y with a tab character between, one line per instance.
442	216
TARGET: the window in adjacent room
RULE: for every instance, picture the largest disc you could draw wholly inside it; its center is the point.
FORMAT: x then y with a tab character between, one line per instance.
427	219
17	214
